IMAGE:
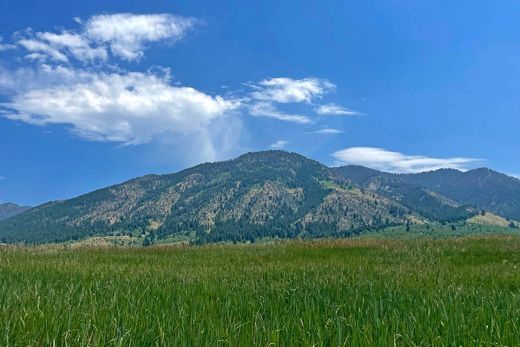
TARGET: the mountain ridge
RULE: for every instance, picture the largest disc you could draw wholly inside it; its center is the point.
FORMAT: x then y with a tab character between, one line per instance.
256	195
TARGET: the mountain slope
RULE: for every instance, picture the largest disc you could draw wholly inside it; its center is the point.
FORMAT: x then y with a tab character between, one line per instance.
482	187
9	209
427	203
266	194
257	195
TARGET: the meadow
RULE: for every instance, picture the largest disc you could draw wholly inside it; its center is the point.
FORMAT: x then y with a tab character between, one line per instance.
354	292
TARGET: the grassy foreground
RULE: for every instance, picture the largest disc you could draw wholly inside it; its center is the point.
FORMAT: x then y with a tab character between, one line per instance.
355	292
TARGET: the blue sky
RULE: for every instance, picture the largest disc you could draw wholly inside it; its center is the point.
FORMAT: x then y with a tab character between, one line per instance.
96	92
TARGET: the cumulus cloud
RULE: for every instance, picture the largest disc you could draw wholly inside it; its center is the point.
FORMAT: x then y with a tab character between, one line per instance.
326	131
280	144
128	107
335	110
124	34
127	33
72	78
395	162
288	90
266	109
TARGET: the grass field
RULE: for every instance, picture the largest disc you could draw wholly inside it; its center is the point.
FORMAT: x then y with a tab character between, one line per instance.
383	292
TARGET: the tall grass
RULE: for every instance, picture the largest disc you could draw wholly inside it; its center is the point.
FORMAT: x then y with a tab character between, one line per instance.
463	292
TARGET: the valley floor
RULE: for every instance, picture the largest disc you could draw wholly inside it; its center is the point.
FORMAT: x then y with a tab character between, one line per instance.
355	292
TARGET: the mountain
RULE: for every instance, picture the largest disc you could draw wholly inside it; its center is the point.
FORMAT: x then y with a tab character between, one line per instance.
485	188
266	194
9	209
482	188
425	201
257	195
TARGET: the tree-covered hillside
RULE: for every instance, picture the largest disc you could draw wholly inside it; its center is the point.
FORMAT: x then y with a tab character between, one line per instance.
482	187
257	195
266	194
427	203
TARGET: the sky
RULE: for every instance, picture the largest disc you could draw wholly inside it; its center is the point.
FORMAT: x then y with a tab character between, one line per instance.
93	93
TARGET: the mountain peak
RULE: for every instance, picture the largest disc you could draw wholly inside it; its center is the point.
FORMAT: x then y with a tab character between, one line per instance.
273	154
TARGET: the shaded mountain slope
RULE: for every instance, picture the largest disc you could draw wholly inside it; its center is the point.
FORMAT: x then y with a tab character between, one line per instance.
482	187
426	202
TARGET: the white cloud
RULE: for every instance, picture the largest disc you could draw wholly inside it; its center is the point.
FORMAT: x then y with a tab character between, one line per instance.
288	90
335	110
74	44
265	109
127	33
130	107
382	159
280	144
326	131
41	50
100	101
5	46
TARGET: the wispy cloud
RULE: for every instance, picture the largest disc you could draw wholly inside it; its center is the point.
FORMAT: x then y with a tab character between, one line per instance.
335	110
123	34
5	46
382	159
287	90
127	33
326	131
266	109
280	144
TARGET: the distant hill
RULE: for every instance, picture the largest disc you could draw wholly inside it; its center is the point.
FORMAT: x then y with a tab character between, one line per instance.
424	201
9	209
261	195
482	187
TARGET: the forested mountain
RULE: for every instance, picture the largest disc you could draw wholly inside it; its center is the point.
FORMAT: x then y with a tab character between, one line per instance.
257	195
9	209
426	202
482	188
263	194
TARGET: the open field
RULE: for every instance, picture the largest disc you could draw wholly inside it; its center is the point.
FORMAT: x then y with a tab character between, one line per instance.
447	292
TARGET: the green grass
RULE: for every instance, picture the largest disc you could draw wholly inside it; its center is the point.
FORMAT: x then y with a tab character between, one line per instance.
381	292
439	231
